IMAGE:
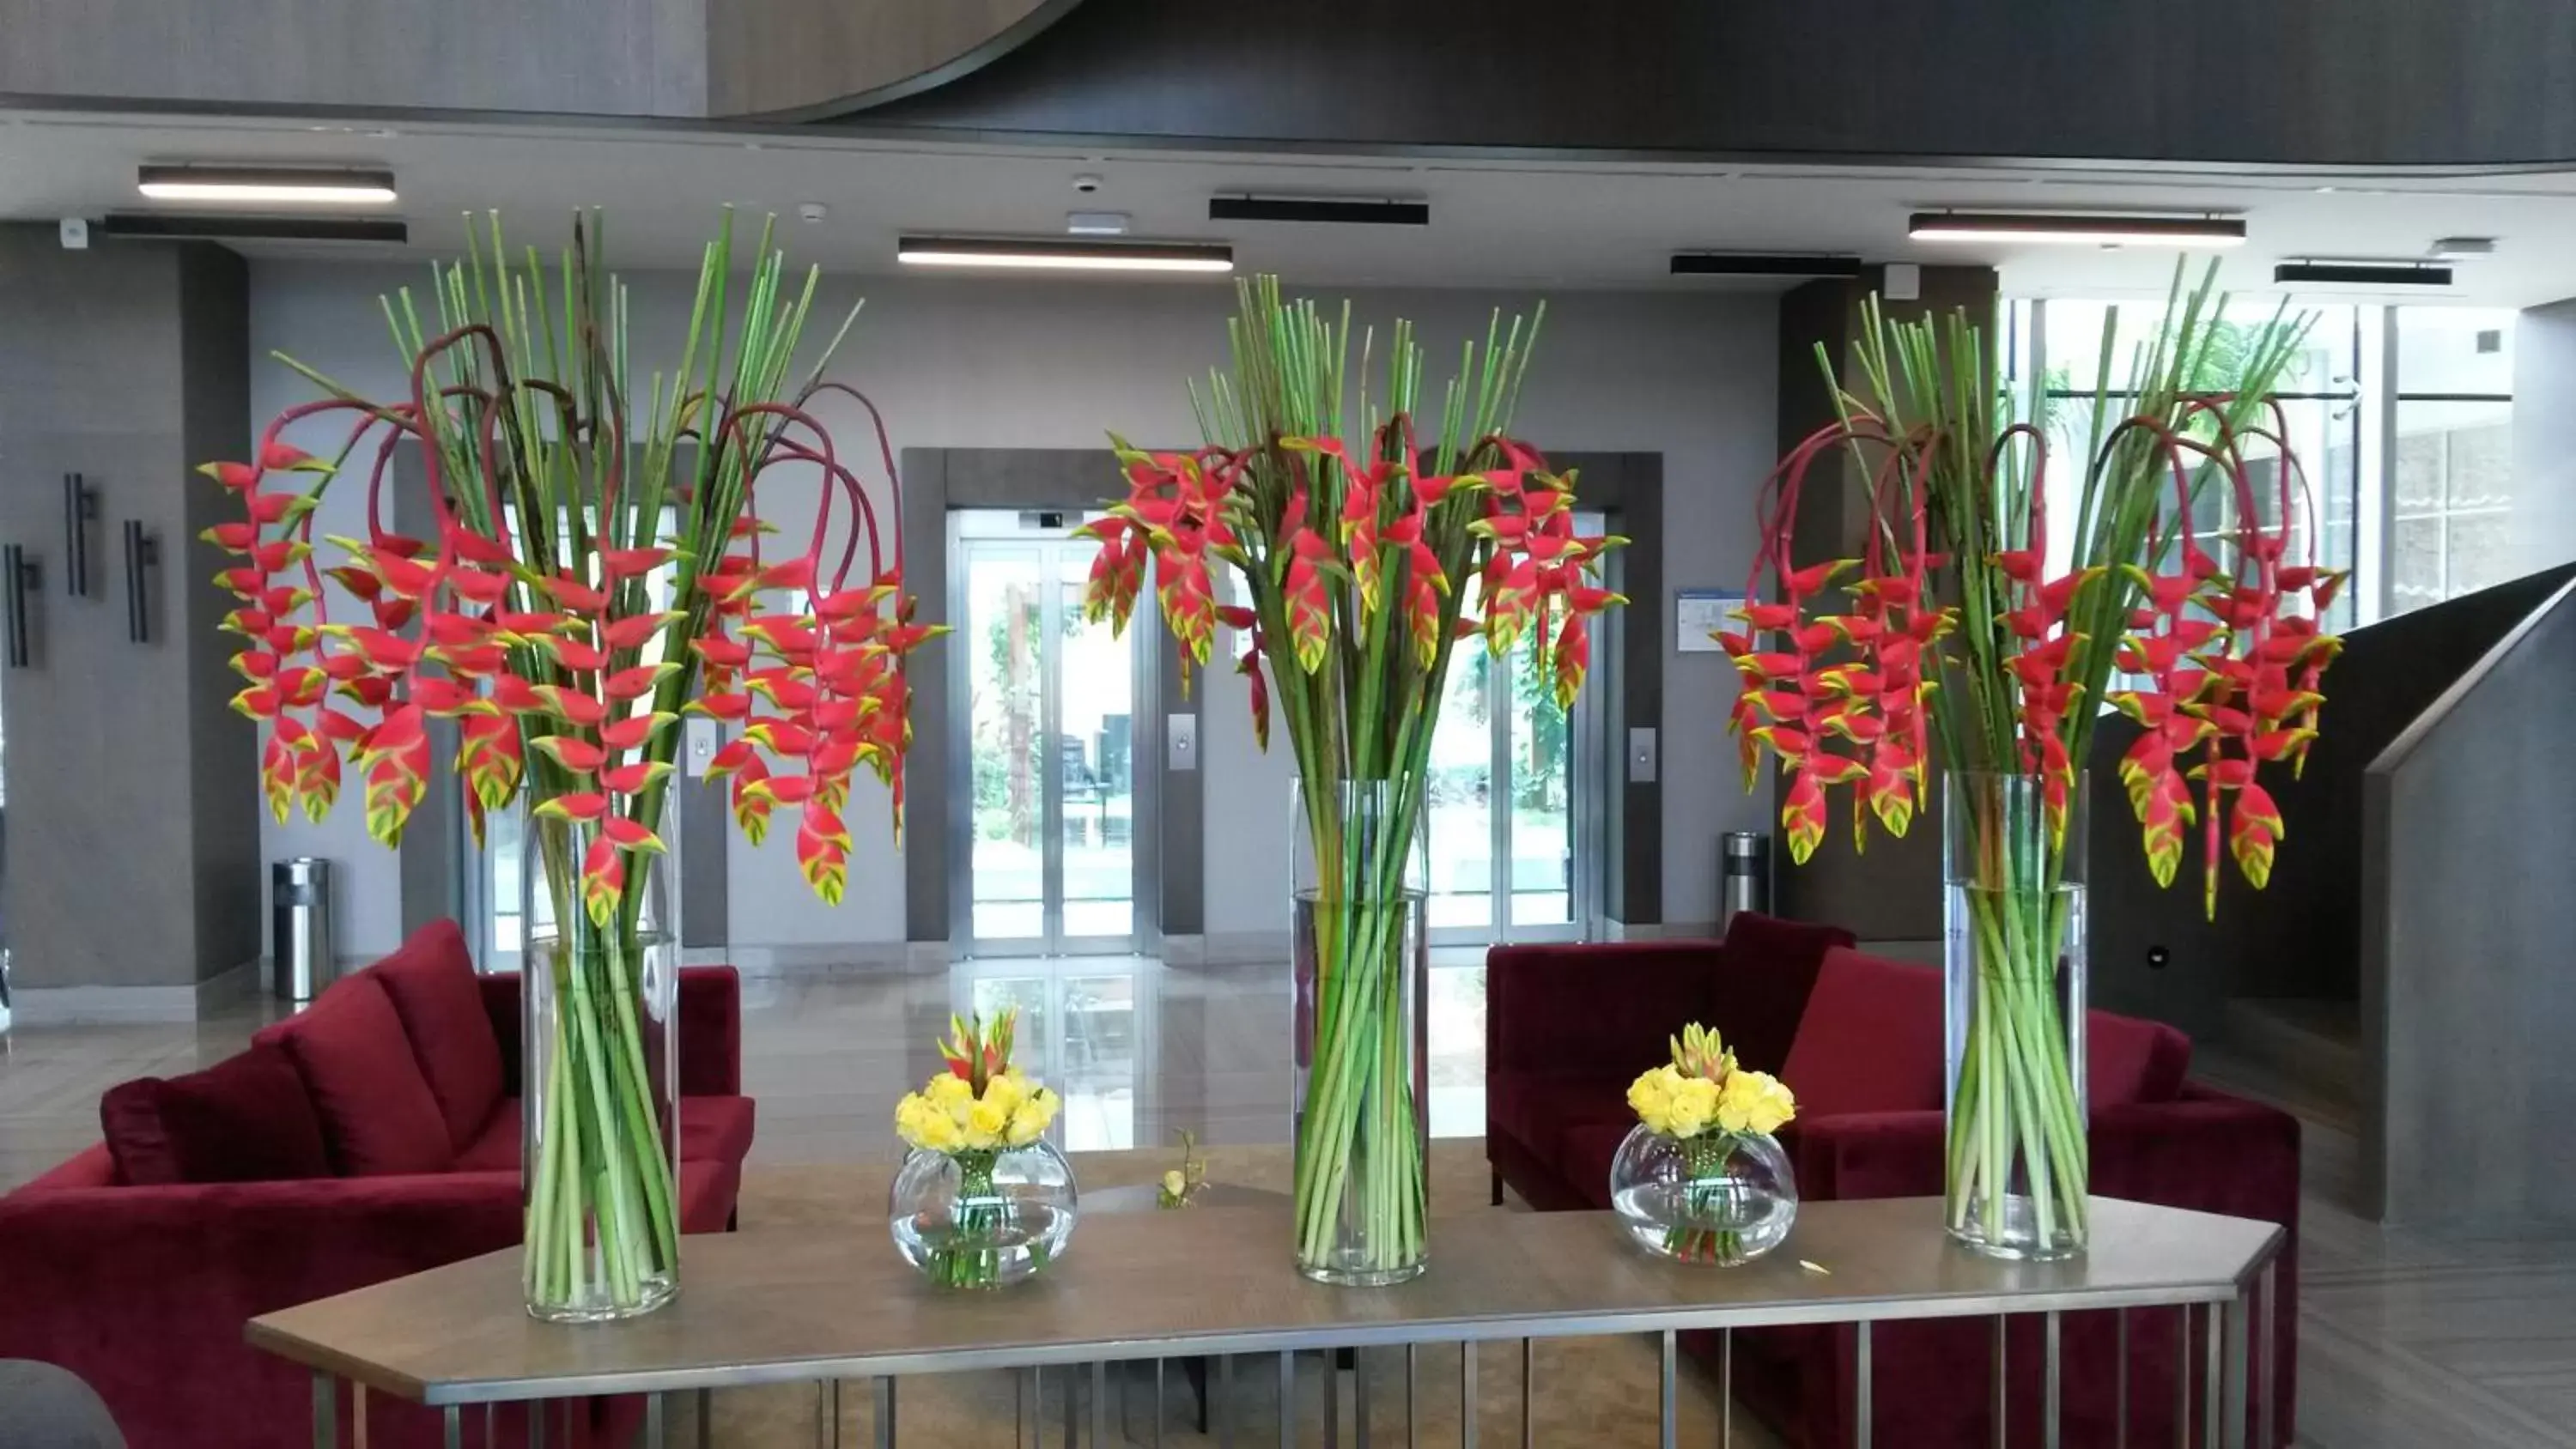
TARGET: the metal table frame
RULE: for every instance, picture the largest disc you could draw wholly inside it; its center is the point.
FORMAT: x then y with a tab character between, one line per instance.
2236	1343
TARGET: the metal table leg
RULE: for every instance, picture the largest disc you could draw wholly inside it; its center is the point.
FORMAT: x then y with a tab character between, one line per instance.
1100	1405
1667	1407
1860	1386
536	1424
1158	1404
1359	1400
657	1424
1225	1402
451	1427
326	1411
2182	1379
491	1426
2240	1322
2212	1401
2050	1404
1467	1396
885	1412
2269	1347
827	1415
1287	1401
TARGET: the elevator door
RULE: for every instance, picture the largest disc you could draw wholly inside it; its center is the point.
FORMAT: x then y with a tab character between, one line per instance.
1047	823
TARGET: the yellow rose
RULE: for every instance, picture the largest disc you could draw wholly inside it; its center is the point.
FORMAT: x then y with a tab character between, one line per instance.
907	1117
1693	1103
939	1133
1648	1094
1029	1122
1008	1089
1174	1185
986	1122
948	1091
1755	1102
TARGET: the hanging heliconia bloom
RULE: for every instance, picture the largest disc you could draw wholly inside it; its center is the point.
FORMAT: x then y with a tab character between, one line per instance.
591	577
1951	628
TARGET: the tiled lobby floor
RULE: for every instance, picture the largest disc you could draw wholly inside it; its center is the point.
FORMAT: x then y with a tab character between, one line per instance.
2407	1339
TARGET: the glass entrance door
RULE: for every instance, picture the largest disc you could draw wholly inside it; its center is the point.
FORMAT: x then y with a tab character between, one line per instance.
1046	864
1513	850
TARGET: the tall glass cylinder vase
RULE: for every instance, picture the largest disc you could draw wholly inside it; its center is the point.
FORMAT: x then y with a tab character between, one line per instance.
1361	959
2013	863
599	1161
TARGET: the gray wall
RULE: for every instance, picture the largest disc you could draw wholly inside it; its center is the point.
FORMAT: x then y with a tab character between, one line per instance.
1023	364
2544	436
2467	1001
132	787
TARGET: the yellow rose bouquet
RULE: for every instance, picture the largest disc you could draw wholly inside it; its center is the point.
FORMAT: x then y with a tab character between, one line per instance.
1701	1179
953	1217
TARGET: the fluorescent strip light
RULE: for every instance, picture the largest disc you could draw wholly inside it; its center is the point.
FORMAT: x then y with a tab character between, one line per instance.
2076	228
1064	256
271	184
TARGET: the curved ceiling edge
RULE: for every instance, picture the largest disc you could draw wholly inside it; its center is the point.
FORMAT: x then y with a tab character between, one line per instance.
849	55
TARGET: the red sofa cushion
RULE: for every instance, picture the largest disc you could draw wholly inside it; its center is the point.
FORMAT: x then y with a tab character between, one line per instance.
1538	1108
430	980
711	1129
244	1119
2128	1060
129	1117
1766	972
1870	1040
378	1114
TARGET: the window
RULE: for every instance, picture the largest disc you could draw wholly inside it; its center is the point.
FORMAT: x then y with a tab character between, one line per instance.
2452	463
2401	419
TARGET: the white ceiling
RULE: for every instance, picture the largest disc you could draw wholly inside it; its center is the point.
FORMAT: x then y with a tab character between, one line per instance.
1555	224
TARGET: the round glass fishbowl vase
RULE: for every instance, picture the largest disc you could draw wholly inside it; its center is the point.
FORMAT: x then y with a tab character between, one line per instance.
1720	1198
983	1219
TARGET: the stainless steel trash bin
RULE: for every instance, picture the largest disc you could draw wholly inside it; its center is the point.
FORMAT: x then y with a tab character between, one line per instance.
299	930
1745	873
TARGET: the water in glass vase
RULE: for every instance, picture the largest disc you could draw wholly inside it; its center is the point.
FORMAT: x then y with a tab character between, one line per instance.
983	1219
2019	1170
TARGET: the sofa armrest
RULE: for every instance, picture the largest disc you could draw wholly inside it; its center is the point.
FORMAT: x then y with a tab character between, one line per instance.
144	1291
1604	1009
710	1029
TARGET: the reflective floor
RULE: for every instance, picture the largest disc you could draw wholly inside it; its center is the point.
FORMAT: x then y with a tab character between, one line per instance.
2406	1338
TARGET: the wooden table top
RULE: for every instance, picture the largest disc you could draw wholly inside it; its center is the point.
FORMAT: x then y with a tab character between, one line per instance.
767	1307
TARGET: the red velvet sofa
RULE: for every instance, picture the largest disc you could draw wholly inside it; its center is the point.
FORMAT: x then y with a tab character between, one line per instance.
1859	1040
373	1135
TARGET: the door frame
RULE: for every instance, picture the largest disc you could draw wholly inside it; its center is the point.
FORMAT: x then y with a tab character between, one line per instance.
967	530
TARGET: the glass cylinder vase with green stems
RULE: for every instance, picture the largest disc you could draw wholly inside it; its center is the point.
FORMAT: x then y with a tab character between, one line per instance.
2013	909
1365	550
1361	959
598	1108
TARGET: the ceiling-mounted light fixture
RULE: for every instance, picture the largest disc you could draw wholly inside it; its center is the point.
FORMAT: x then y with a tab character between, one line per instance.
1762	264
2364	274
215	226
271	185
2080	228
1345	211
1042	254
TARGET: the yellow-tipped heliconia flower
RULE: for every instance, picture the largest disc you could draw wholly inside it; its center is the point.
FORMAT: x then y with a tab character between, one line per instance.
1697	1052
